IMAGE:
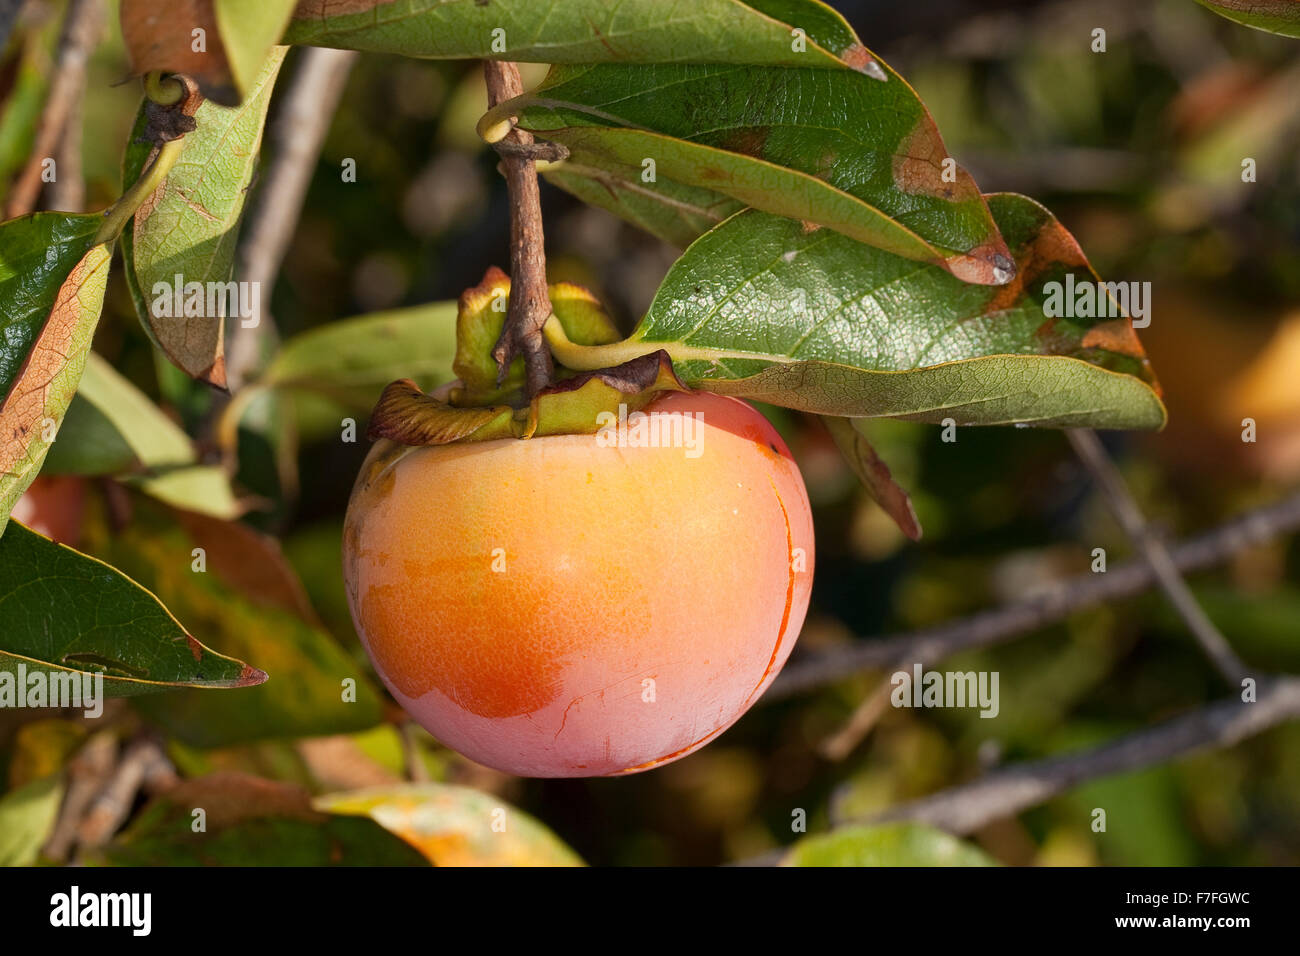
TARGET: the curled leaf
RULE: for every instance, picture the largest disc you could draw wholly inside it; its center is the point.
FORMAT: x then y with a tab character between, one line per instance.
179	250
874	473
408	416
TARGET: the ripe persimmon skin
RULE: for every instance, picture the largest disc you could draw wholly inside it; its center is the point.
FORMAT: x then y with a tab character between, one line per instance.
555	608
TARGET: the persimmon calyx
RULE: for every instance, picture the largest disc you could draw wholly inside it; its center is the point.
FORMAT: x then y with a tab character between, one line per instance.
578	404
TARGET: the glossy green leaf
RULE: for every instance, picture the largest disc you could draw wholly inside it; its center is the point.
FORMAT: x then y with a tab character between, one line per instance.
27	816
248	821
835	147
456	826
247	601
186	232
1273	16
66	612
762	308
583	31
52	279
905	844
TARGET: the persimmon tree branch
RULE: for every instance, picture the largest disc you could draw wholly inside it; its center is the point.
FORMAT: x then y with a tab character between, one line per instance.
530	303
1054	603
1002	793
1093	454
77	39
295	139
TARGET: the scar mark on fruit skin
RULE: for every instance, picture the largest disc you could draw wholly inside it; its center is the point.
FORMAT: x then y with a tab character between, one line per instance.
669	757
789	594
771	663
564	719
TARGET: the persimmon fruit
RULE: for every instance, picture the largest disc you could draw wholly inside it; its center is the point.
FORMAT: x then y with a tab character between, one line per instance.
582	605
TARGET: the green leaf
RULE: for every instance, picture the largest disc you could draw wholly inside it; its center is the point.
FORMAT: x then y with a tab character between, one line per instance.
1273	16
27	816
676	213
251	822
189	227
340	369
249	29
454	826
834	147
52	278
65	612
762	308
248	601
201	488
905	844
351	361
583	31
112	428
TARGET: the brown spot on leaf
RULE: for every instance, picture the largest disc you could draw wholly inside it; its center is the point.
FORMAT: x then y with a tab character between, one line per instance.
749	140
987	264
1052	247
861	59
1116	336
918	166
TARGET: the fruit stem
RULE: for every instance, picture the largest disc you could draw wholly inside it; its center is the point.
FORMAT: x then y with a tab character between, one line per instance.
117	215
591	358
530	303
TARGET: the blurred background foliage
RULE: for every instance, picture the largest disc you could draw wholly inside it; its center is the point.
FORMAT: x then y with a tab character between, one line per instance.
1137	150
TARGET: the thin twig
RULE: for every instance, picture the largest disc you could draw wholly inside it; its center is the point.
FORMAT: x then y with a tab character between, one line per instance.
143	766
1053	604
846	739
1003	793
1093	454
416	771
77	39
530	303
68	191
294	142
88	771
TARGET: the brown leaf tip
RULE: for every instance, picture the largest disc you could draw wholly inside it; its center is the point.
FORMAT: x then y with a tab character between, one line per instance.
861	59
